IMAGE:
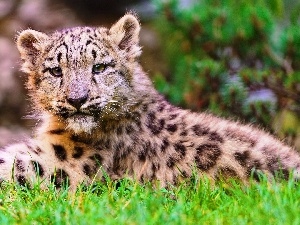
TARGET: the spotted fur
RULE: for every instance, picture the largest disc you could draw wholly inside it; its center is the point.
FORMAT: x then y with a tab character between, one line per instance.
101	114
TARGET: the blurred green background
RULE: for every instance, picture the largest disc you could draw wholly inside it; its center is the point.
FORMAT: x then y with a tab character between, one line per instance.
237	59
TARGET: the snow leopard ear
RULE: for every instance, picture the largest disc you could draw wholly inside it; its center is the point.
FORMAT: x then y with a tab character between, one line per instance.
30	44
125	33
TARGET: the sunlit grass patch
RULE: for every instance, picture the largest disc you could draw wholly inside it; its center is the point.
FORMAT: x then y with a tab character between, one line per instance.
127	202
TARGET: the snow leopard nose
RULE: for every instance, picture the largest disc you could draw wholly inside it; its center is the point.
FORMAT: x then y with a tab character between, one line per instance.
78	101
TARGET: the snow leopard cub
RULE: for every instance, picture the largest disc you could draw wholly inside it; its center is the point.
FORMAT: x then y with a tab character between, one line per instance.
101	114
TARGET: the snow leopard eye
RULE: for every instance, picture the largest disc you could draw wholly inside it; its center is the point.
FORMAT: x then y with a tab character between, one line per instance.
56	71
98	68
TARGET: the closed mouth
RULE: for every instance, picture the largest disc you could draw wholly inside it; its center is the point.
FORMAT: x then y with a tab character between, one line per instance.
76	114
80	114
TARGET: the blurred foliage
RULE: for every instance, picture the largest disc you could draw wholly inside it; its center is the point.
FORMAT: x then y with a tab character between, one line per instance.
234	58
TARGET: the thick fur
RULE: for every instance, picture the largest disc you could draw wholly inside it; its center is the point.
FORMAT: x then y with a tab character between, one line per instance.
100	114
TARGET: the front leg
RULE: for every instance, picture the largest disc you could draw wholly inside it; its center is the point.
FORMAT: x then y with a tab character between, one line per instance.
49	162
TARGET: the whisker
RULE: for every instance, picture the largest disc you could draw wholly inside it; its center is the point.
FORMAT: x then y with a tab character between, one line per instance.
113	101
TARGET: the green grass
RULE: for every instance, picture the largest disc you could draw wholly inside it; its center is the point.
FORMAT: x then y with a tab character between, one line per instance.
131	203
